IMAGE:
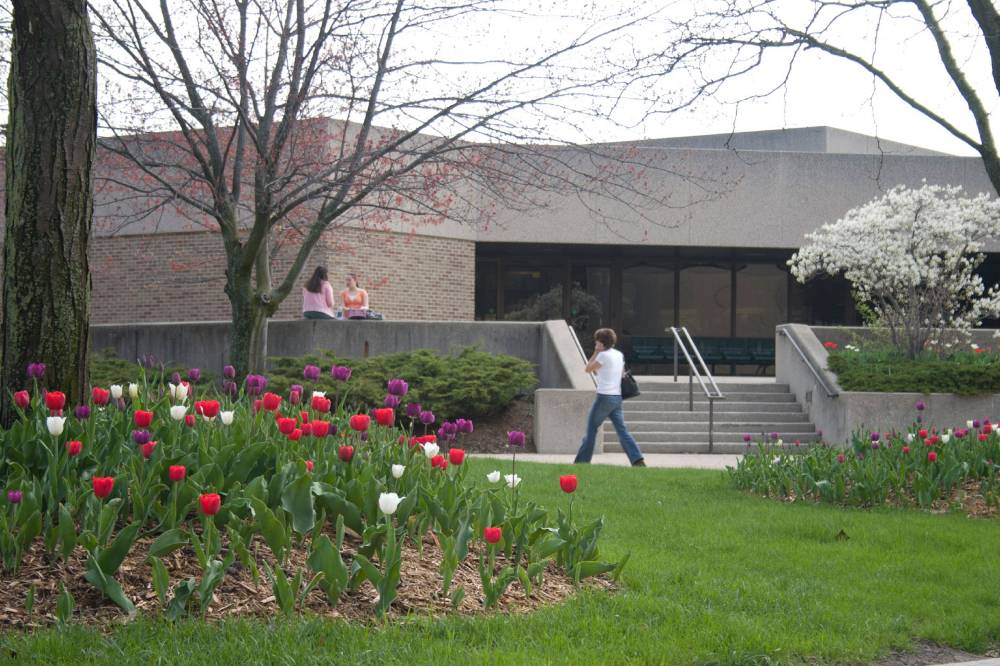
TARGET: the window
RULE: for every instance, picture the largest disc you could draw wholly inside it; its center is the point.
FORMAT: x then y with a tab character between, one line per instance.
761	300
705	306
647	300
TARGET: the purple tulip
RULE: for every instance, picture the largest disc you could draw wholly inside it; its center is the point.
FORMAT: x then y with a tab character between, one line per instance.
341	373
194	374
230	388
14	496
391	401
875	437
444	436
333	429
977	424
310	373
229	372
464	425
427	417
255	384
141	437
875	446
515	438
296	388
413	409
774	436
398	387
920	405
450	428
747	437
176	379
36	370
363	436
82	412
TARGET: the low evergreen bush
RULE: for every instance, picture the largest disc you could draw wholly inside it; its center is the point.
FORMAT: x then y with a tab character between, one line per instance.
879	370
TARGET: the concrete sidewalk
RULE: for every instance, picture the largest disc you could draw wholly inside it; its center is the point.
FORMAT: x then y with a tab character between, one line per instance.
672	460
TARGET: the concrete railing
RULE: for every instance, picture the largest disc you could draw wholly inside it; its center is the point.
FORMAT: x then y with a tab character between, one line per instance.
839	415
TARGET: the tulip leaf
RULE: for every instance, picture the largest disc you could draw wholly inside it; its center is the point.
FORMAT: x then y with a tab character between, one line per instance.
370	571
326	560
108	586
178	605
214	573
548	547
272	529
406	507
64	604
67	531
168	542
337	505
297	499
30	529
106	521
585	569
161	579
112	557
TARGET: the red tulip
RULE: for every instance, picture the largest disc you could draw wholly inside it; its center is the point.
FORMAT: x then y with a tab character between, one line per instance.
103	485
74	447
294	397
423	439
439	461
295	435
189	420
286	426
492	534
22	399
257	405
841	458
360	422
55	400
271	401
385	416
210	503
906	450
320	428
177	473
142	418
147	450
982	437
321	404
309	465
304	416
567	483
100	396
306	429
456	456
345	453
932	456
211	408
923	433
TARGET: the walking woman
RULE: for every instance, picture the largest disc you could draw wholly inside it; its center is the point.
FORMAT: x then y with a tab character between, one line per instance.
317	296
609	365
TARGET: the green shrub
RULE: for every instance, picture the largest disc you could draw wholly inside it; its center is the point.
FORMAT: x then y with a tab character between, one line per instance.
962	373
472	383
107	369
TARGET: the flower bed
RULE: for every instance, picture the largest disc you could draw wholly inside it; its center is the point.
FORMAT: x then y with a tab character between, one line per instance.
921	467
973	372
166	497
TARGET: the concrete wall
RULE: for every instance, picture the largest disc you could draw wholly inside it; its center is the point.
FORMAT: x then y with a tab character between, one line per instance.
547	345
561	420
841	415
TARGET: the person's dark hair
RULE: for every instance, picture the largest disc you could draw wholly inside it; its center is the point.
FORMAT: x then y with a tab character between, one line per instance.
606	337
315	283
355	276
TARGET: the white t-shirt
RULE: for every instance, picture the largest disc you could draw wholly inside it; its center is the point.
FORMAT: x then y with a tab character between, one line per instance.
609	375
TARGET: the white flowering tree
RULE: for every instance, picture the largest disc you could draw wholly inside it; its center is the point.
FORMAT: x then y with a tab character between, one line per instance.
911	257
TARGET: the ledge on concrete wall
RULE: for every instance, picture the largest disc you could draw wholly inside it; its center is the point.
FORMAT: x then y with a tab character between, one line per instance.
838	417
549	346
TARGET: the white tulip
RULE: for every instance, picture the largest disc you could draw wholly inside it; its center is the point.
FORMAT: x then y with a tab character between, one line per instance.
133	391
397	471
945	439
968	424
909	438
493	476
431	449
55	424
177	412
512	480
996	427
389	502
181	393
227	417
116	391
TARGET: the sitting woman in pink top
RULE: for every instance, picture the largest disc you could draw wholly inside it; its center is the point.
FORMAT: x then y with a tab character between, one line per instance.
317	296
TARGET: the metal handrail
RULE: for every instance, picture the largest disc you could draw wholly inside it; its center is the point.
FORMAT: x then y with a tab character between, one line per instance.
579	348
693	371
831	392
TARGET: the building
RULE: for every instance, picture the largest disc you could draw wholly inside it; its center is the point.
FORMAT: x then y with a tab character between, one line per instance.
712	257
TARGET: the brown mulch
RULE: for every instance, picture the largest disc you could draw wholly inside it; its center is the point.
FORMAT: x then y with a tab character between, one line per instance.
240	595
927	654
966	498
490	434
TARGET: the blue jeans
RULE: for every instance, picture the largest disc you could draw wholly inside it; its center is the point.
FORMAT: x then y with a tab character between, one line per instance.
607	406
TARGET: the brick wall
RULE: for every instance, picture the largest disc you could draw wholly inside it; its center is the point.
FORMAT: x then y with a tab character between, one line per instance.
178	277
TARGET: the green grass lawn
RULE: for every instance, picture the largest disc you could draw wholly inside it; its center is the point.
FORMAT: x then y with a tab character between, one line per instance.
715	577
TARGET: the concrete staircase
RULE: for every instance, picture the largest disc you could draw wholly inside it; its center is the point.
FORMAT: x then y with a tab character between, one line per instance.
660	421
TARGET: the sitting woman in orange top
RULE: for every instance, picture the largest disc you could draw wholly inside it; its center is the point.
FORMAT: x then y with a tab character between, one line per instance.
354	297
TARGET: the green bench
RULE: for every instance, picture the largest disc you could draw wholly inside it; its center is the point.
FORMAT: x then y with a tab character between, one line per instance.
645	350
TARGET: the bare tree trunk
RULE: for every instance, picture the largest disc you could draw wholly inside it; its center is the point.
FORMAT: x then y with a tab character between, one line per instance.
51	139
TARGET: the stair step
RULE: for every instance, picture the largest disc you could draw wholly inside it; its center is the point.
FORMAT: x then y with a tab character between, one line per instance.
724	427
641	406
691	447
728	396
702	436
723	417
725	387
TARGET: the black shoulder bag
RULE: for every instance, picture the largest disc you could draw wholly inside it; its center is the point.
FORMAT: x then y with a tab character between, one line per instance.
630	388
